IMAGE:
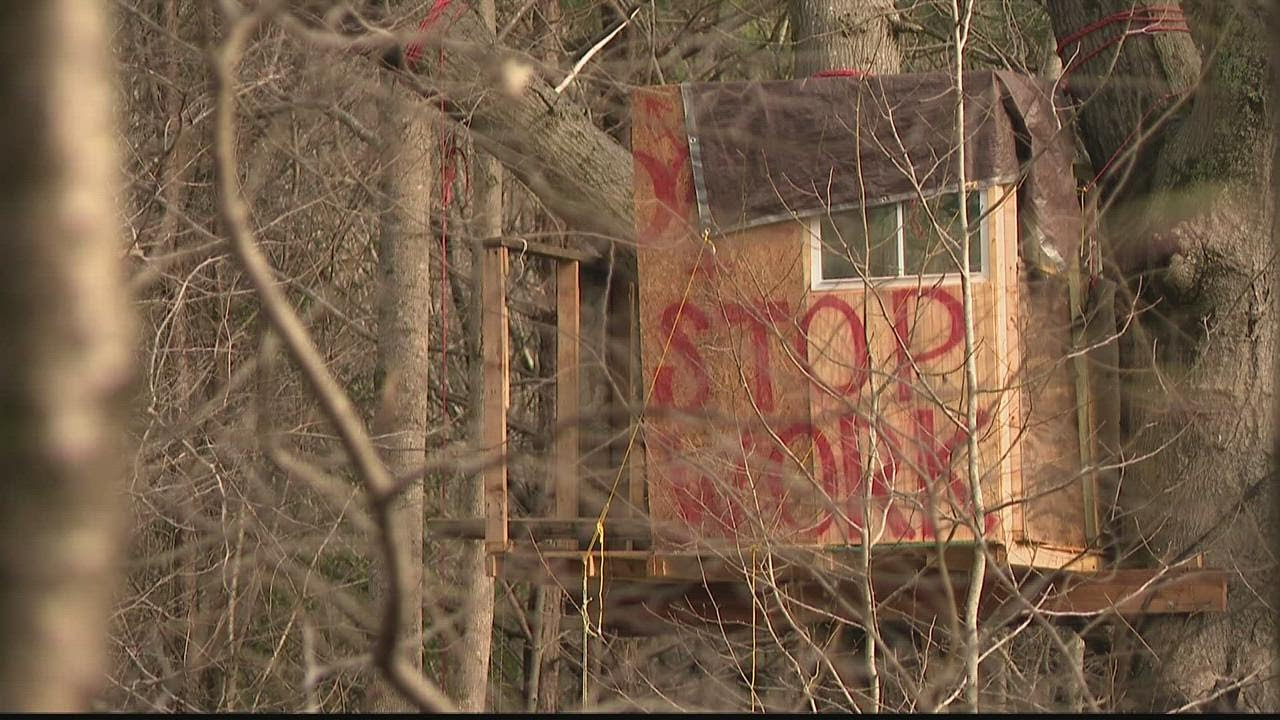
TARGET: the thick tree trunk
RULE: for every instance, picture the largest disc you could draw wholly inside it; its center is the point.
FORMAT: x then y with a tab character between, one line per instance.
68	355
1201	404
1126	85
843	35
404	308
544	139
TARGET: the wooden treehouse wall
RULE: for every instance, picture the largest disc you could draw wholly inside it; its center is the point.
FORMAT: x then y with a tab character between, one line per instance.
773	411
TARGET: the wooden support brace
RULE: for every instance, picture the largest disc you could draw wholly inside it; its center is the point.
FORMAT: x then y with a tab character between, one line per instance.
530	247
1084	408
1141	591
565	452
636	388
493	421
537	529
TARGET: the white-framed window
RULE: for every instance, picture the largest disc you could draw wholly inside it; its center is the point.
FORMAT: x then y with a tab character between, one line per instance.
898	242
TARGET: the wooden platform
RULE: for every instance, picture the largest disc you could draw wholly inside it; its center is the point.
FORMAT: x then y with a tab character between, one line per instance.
642	592
649	608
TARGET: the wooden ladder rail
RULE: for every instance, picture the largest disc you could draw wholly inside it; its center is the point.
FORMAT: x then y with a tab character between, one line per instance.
565	450
497	388
493	412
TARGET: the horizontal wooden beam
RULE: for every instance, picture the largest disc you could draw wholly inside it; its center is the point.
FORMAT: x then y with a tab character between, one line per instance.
537	529
653	593
1140	591
530	247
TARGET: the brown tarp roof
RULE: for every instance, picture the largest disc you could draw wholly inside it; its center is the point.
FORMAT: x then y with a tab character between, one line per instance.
764	152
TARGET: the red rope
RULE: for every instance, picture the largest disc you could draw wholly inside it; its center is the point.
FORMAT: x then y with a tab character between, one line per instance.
414	51
1153	19
1157	18
842	72
1124	145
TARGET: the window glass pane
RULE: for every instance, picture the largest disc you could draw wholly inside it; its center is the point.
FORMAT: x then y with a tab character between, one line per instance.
926	251
859	244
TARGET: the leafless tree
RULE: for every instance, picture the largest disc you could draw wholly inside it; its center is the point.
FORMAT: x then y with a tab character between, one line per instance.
313	380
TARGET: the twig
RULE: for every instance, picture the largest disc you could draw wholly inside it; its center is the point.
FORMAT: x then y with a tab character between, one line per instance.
963	15
380	486
586	57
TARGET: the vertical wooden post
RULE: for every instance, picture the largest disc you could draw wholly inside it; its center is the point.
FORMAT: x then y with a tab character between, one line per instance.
1104	398
1084	409
1003	228
496	399
635	388
565	450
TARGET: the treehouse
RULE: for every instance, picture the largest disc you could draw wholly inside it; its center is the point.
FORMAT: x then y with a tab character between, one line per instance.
779	398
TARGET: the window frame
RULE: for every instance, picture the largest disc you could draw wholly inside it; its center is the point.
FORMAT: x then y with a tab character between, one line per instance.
818	282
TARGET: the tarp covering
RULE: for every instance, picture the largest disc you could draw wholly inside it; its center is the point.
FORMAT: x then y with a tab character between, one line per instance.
763	152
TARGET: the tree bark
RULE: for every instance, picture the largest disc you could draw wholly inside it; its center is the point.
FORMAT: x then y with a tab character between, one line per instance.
843	35
543	139
173	178
1200	403
68	355
403	365
470	682
1121	86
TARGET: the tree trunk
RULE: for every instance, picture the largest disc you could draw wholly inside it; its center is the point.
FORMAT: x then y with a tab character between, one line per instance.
402	370
1200	402
843	35
544	139
68	355
470	681
173	179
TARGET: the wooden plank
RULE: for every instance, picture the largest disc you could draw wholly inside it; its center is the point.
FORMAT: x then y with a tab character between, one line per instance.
634	388
493	421
1012	322
565	450
1104	389
531	247
1053	489
538	529
635	606
1084	409
1025	554
1004	223
1142	591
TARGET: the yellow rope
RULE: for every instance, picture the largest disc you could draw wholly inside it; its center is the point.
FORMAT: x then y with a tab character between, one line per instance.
753	628
598	535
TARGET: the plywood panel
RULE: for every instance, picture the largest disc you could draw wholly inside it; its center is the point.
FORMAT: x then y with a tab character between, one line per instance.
894	404
727	409
1053	499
